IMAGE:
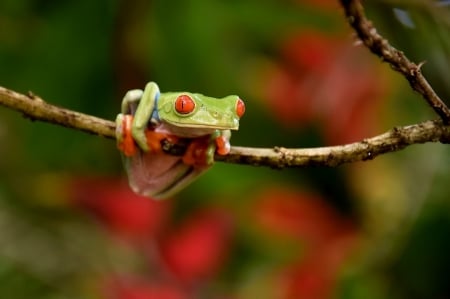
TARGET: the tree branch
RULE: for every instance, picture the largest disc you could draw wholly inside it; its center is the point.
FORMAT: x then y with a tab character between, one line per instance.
397	59
331	156
34	108
396	139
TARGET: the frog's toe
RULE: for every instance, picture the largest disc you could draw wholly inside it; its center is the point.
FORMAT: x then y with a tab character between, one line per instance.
223	146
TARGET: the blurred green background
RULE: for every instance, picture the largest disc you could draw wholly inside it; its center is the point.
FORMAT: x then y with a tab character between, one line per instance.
71	228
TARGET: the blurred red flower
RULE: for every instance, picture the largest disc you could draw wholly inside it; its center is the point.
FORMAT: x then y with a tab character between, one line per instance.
316	275
119	209
326	80
132	288
329	239
197	248
299	215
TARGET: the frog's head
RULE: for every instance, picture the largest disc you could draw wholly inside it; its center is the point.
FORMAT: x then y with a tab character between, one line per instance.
192	110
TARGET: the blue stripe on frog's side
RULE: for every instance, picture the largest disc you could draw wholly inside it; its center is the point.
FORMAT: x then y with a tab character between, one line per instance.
155	115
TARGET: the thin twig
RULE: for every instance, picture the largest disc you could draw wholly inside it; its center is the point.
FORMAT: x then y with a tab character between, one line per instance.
396	139
397	59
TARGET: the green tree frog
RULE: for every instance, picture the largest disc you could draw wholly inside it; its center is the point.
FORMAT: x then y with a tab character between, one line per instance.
148	117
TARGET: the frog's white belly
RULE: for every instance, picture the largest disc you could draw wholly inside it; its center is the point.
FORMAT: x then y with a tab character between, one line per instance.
159	175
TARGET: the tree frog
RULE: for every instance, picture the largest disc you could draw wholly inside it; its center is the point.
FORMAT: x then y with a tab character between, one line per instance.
148	117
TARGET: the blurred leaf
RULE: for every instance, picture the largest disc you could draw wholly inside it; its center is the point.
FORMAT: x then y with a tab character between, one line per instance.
422	30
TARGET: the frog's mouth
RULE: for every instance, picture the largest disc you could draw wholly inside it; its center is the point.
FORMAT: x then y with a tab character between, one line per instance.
212	126
191	130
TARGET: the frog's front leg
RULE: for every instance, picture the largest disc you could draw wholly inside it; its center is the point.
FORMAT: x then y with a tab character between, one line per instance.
144	113
126	143
200	152
131	124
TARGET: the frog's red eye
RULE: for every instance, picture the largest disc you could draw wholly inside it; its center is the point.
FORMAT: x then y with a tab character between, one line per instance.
240	108
184	104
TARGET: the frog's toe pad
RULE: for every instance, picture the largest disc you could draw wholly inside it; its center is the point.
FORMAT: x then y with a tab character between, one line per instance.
223	146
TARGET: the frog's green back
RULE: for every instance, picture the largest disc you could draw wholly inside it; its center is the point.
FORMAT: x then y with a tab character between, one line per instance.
208	112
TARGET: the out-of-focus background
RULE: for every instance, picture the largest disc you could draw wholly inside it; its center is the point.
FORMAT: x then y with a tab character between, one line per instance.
71	228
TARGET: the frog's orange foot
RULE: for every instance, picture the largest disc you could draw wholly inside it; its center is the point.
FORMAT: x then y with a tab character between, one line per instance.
196	153
129	147
222	145
154	140
126	143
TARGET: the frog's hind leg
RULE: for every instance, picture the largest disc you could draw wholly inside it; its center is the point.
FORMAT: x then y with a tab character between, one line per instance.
131	101
124	121
125	142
